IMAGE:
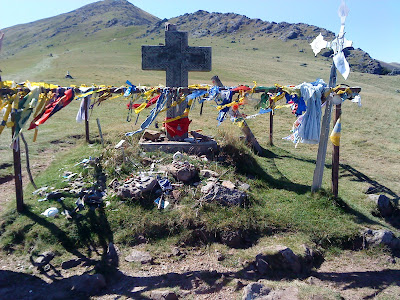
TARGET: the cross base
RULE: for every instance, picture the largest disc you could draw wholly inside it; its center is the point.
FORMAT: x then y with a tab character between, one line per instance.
200	148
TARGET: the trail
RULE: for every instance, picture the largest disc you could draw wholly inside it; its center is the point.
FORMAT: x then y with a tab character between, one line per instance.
31	72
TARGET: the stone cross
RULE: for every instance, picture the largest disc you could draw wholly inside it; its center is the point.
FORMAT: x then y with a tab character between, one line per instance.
177	59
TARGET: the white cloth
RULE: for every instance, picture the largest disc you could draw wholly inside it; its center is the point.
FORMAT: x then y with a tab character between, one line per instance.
341	64
80	116
310	128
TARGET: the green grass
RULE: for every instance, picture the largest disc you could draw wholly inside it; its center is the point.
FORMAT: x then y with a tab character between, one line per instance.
280	198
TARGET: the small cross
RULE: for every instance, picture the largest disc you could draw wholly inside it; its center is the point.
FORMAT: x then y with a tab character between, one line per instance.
177	59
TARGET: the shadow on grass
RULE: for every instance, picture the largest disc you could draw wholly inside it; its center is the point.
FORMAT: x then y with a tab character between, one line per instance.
247	165
356	175
93	229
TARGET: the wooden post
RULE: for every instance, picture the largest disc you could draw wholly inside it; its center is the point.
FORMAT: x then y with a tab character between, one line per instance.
335	157
19	194
323	141
101	134
85	105
271	125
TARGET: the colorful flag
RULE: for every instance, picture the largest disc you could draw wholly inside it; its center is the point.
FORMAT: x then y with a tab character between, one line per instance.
336	133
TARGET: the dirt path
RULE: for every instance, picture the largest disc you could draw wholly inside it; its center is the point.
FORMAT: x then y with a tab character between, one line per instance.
197	274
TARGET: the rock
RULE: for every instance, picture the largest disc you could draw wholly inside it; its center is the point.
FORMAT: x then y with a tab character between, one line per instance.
228	184
184	172
208	187
381	237
44	259
134	188
290	293
232	239
139	256
291	260
244	186
219	255
208	173
69	264
176	251
255	290
383	203
89	284
237	285
151	135
223	195
262	265
163	295
371	190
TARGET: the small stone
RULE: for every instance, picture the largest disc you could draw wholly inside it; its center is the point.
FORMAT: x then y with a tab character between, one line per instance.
291	260
163	295
219	255
176	251
139	256
244	186
208	187
151	135
228	184
208	173
237	285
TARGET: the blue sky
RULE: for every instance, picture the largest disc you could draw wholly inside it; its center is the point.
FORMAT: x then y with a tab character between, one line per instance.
373	25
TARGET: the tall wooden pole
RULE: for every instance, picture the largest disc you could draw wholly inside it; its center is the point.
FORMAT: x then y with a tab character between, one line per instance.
335	157
19	195
323	141
85	105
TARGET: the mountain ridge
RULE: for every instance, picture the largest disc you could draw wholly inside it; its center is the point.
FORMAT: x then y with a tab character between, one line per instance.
102	16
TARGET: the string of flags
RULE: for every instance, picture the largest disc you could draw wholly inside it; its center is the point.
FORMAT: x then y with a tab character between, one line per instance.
34	103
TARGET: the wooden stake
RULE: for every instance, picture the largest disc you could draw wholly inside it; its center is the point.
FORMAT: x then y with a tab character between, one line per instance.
101	134
19	194
323	141
85	105
335	157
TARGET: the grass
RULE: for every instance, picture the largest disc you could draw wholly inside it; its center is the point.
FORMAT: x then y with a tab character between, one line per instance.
280	199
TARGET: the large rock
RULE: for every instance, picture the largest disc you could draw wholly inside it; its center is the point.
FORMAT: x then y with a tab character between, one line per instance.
255	291
135	187
381	237
383	204
183	171
223	195
139	256
44	259
89	284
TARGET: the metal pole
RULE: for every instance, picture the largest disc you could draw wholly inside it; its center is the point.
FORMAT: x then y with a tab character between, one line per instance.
335	157
323	141
19	194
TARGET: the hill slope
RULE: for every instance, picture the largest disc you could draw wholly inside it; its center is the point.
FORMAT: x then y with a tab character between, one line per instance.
116	17
80	23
